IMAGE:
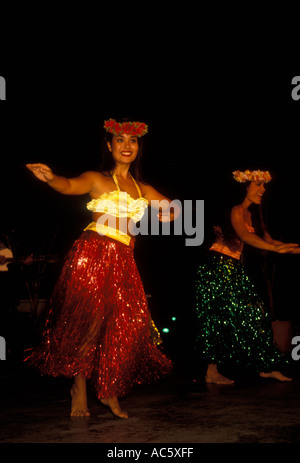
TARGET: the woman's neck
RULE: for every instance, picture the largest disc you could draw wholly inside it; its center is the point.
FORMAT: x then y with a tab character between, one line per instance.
246	203
121	170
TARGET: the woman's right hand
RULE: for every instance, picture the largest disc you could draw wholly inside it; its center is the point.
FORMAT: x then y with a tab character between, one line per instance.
41	171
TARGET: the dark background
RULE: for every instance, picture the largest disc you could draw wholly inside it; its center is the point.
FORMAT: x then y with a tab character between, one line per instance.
211	109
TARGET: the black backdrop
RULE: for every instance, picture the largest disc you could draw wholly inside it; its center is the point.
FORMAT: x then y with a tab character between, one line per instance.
207	116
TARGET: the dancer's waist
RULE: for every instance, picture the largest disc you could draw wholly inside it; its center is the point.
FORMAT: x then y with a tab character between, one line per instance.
223	249
111	232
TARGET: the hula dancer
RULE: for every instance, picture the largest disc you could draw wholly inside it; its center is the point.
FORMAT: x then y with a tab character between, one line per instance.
103	330
233	325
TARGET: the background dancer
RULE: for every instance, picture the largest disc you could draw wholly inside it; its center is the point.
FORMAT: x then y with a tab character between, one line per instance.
233	325
103	329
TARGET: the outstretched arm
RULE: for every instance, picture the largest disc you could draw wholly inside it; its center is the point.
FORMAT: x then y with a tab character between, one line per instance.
67	186
252	239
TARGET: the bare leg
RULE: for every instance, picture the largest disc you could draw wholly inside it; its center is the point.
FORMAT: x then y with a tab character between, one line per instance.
113	404
213	376
79	399
275	375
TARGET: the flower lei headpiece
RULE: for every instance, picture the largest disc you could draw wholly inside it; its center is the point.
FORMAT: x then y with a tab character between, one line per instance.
137	129
252	176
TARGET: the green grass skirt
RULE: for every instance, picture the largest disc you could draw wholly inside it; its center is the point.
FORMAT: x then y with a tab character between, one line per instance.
233	324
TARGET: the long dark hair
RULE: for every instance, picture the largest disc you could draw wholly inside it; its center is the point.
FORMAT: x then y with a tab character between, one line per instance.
223	224
107	164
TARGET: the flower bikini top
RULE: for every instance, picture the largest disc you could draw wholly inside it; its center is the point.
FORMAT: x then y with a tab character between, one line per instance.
119	203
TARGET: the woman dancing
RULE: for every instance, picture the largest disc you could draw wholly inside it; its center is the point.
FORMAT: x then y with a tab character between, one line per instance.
233	325
103	329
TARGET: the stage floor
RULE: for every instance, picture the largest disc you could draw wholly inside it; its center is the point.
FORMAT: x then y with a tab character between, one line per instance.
35	409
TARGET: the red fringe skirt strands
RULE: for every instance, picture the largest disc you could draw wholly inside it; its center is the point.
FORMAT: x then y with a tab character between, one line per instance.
99	324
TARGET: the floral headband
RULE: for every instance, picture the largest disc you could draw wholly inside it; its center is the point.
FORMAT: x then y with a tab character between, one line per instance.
137	129
252	176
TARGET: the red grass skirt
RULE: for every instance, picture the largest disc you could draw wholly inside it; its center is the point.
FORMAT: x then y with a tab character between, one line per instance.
99	324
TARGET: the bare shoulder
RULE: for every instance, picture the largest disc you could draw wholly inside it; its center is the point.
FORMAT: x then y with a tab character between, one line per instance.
93	174
144	187
97	179
237	218
151	194
148	191
237	211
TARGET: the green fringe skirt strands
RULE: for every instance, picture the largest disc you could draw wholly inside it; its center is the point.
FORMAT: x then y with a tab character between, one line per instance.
233	325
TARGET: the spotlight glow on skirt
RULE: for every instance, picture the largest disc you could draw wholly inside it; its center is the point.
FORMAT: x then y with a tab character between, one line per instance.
99	324
233	324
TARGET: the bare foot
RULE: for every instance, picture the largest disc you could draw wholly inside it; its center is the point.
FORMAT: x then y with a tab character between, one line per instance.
213	376
275	375
113	404
218	379
79	406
